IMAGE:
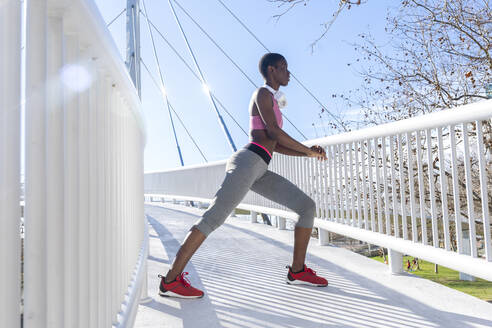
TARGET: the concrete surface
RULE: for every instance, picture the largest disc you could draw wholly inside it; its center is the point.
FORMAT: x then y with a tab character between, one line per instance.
241	268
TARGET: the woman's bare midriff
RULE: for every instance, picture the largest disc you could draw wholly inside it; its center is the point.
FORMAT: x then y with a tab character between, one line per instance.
261	137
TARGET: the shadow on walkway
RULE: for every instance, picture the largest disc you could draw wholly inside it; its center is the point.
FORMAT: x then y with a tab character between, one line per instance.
243	275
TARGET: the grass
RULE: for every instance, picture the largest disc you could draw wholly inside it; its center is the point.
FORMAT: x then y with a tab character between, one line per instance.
450	278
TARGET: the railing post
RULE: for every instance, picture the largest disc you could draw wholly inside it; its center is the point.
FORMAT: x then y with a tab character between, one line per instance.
144	297
466	250
71	187
84	206
10	72
323	237
55	196
280	223
35	178
254	217
395	261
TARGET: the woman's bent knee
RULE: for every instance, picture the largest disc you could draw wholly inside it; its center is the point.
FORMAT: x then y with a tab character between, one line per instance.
207	225
306	214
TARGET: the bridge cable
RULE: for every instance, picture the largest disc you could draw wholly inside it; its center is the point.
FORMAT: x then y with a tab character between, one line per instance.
192	71
162	89
295	78
202	78
175	113
230	59
121	13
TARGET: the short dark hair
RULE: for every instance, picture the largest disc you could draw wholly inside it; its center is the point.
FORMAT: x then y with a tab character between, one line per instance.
269	59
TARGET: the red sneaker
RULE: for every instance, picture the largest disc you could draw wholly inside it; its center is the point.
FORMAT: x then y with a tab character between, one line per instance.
306	277
180	287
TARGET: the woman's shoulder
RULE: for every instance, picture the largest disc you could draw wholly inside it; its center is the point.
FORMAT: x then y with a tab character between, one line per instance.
262	92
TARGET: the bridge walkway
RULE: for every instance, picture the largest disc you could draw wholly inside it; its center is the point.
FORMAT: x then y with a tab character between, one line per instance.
241	268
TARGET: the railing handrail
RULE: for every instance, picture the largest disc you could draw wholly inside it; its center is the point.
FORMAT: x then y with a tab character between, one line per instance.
84	17
477	111
377	186
472	112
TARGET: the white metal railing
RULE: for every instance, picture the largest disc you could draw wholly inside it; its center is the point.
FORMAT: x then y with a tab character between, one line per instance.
85	235
10	72
360	188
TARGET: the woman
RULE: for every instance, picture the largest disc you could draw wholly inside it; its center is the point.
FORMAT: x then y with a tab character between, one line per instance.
247	170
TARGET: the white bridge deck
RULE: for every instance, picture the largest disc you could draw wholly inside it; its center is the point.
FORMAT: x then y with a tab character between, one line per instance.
241	268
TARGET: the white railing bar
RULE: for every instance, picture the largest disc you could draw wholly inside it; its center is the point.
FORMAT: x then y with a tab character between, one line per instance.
93	198
54	176
370	181
35	193
297	170
378	184
330	181
396	227
71	164
347	183
121	210
10	145
423	221
335	184
469	196
402	189
312	170
320	190
340	182
357	186
311	177
115	103
456	192
444	189
326	189
84	196
411	185
352	182
483	193
107	209
385	186
364	188
435	232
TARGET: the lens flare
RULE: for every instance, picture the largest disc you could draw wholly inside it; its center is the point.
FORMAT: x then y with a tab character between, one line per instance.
76	77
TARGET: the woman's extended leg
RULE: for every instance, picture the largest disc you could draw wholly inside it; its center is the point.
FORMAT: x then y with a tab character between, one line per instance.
192	242
241	172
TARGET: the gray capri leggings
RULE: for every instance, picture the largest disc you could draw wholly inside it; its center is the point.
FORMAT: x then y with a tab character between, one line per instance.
247	170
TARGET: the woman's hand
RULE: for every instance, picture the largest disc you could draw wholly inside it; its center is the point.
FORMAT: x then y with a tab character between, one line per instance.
318	152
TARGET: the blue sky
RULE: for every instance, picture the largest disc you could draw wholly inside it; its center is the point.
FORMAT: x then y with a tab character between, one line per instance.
324	71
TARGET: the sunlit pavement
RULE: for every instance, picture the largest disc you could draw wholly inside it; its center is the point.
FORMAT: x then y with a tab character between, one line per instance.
241	268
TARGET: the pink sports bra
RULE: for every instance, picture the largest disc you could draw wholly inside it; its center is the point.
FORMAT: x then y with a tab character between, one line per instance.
256	123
